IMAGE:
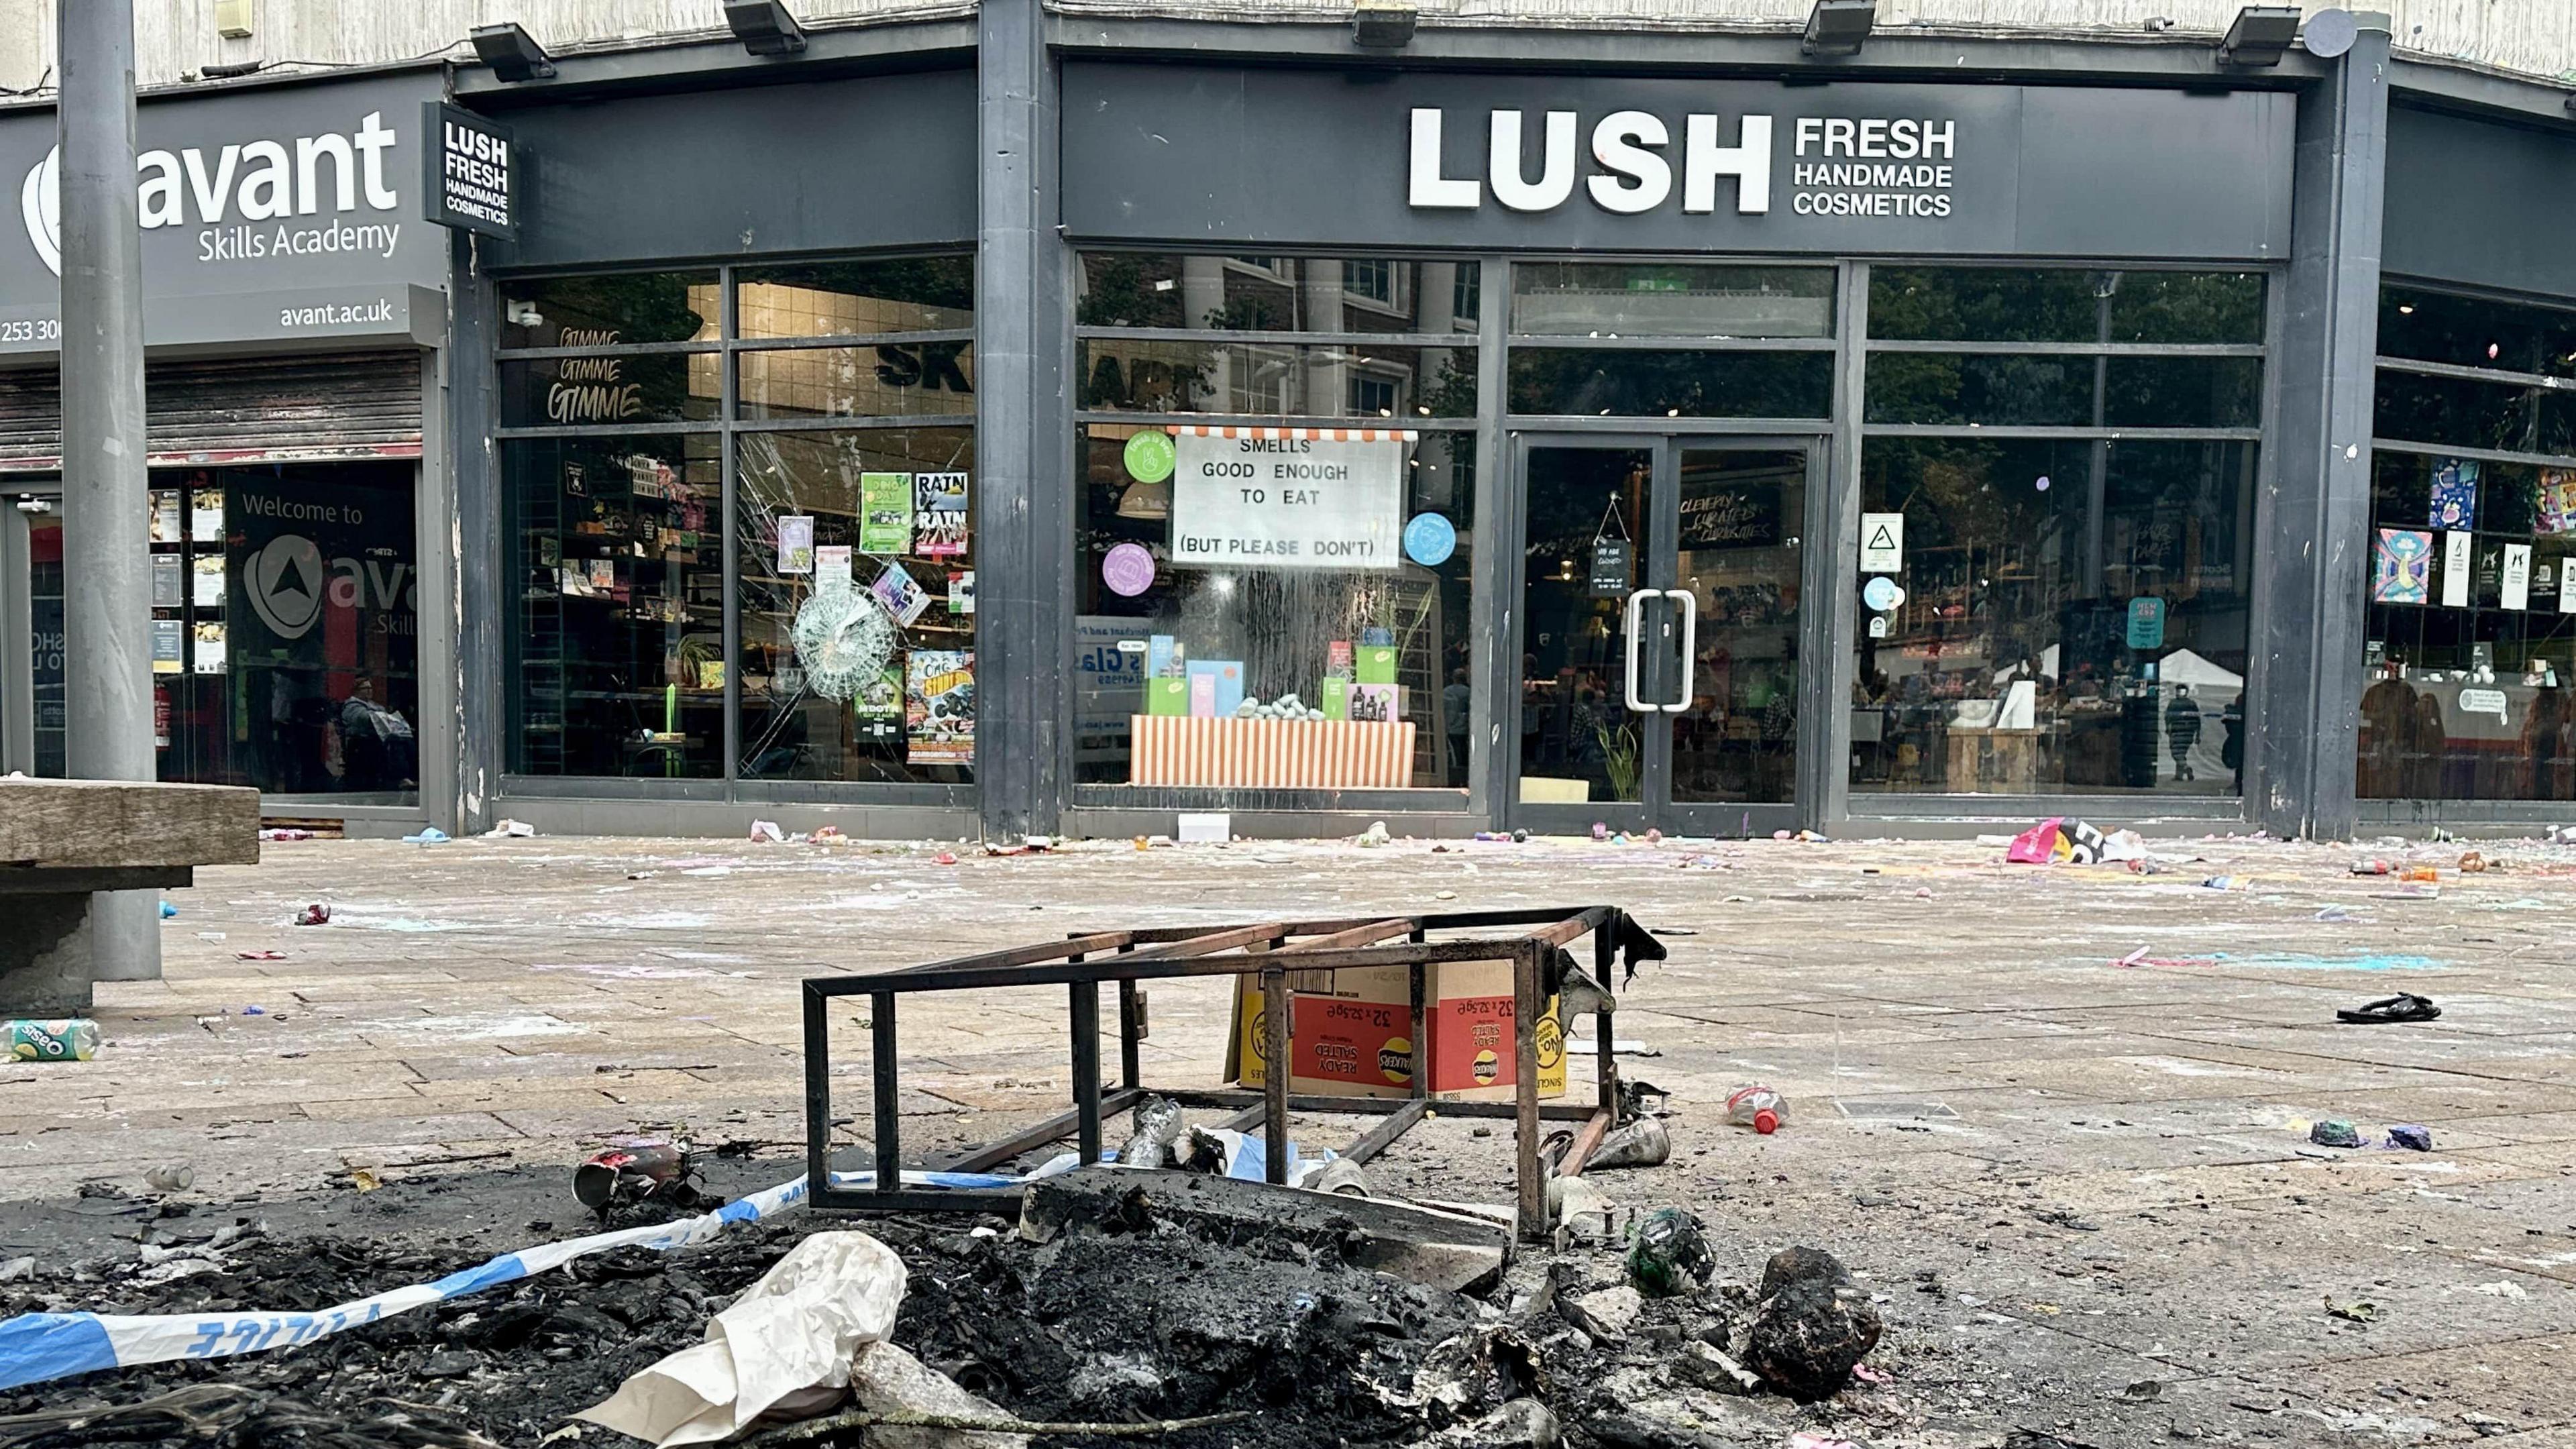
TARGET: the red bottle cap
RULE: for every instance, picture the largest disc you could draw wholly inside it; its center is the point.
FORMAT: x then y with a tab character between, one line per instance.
1766	1121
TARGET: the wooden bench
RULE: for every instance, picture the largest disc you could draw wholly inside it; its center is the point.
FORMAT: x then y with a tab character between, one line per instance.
62	840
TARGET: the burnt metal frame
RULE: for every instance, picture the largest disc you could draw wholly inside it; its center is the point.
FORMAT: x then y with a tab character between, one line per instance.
1270	950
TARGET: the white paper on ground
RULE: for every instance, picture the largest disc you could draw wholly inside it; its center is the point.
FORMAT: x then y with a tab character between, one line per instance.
797	1328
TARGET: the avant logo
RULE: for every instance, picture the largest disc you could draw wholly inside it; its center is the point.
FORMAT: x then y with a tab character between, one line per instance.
257	181
42	200
285	584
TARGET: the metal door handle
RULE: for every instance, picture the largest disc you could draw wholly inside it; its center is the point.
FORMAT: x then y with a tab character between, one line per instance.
1636	633
1690	647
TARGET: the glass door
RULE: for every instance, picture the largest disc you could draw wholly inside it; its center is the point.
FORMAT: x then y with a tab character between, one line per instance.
1659	633
31	635
1588	691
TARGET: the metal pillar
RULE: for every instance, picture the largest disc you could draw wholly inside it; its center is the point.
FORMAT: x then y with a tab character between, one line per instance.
2305	716
477	598
107	582
1024	430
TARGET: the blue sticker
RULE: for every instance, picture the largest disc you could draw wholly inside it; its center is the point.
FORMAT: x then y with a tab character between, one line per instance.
1429	540
1882	594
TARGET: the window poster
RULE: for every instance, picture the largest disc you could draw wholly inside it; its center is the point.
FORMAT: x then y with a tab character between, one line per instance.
210	648
885	513
900	593
2402	567
880	698
961	591
2457	545
2455	494
165	581
208	569
165	515
2557	500
206	514
2516	584
939	707
165	646
939	514
796	543
1288	498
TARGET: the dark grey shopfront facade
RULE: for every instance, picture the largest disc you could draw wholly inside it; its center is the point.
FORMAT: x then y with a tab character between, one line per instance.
1708	438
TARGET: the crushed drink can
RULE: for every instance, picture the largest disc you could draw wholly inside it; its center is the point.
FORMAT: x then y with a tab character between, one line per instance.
629	1173
69	1039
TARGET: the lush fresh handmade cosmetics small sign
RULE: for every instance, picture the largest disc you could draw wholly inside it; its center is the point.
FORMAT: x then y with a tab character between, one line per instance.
470	178
1288	497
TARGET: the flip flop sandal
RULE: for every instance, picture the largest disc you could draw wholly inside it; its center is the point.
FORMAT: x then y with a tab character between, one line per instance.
2404	1006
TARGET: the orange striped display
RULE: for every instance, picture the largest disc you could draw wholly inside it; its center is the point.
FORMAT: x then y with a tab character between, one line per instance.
1271	754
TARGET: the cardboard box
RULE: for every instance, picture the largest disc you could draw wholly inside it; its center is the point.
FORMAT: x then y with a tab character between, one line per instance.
1377	664
1172	696
1350	1033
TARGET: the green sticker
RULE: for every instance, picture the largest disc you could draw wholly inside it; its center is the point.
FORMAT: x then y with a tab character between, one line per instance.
1149	456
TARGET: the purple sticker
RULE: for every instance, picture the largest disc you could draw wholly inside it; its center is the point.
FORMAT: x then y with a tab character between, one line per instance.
1128	570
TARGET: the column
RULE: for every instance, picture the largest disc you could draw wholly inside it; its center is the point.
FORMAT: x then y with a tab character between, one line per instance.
2303	721
1024	459
107	581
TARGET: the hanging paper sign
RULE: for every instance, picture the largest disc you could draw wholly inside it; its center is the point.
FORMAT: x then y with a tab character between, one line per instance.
1430	539
2517	576
1882	542
832	564
2455	569
796	543
1288	498
1150	457
2455	494
1882	594
1128	570
901	594
2147	622
1613	567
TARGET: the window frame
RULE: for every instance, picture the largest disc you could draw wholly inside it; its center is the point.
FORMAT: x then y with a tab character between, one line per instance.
727	429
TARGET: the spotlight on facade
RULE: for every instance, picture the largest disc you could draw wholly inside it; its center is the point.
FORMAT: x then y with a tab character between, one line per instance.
2261	35
512	53
1380	25
764	27
1836	28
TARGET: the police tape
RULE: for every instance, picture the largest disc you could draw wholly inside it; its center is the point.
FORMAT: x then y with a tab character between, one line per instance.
36	1348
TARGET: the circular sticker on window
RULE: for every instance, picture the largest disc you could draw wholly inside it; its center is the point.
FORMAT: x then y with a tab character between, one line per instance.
1150	456
1128	569
1882	594
1429	539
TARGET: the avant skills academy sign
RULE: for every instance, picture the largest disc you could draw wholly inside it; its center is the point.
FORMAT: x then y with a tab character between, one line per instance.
267	211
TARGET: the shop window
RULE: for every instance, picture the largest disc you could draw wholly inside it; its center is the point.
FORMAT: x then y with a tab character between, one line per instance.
847	540
2504	416
1200	617
1160	375
1274	294
285	630
2053	616
854	593
2428	326
2469	658
855	299
609	389
915	379
1999	304
1649	299
2470	666
1600	382
2065	390
617	576
617	309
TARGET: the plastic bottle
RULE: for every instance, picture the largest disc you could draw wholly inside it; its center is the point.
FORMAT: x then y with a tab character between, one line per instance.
1757	1107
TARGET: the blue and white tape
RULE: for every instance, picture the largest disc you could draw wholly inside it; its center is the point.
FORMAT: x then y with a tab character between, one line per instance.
38	1347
